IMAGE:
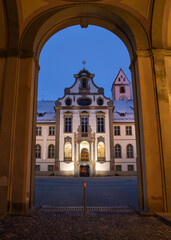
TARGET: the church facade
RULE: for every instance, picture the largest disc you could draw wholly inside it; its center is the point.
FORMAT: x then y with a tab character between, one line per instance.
85	133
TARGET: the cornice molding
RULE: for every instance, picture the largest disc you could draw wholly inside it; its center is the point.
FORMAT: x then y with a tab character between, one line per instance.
17	53
149	54
12	53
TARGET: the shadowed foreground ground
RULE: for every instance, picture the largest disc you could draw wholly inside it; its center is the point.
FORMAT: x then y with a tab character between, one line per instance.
111	212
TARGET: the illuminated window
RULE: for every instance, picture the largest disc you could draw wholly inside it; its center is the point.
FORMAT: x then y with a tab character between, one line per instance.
117	151
129	151
67	152
101	151
38	151
51	151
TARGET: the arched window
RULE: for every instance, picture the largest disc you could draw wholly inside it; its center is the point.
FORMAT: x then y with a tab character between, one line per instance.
101	151
67	151
84	83
129	151
122	89
51	151
117	151
38	151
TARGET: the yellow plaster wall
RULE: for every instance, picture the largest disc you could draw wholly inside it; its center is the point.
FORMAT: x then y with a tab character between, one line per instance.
168	77
157	24
169	30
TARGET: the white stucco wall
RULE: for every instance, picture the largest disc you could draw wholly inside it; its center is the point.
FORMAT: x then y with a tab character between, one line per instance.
124	140
44	141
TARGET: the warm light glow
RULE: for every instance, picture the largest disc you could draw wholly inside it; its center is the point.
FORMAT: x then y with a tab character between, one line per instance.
101	151
68	153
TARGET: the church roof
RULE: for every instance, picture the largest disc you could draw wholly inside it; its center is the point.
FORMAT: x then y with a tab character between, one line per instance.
118	80
46	112
123	111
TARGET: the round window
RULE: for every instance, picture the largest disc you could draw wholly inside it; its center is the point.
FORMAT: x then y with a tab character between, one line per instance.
68	101
100	101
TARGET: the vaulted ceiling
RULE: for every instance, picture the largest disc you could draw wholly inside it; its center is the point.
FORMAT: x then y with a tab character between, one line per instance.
150	19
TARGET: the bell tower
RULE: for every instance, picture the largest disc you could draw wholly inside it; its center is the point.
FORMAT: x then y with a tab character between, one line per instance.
121	88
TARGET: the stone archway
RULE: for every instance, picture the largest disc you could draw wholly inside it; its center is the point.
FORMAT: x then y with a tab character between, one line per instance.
151	87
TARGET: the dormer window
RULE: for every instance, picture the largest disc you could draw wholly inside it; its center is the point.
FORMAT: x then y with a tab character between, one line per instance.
41	114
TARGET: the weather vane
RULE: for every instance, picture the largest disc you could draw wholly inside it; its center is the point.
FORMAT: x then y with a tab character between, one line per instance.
84	62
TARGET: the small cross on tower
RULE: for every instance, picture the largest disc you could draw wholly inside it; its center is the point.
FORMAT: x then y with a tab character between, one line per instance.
84	62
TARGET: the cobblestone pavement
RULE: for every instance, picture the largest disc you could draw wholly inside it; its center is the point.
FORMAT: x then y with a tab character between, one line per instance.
54	218
106	191
49	224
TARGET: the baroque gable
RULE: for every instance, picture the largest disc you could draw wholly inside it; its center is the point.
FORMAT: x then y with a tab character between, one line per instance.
83	93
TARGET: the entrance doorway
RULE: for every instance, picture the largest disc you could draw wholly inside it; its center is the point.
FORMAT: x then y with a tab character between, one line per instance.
84	171
84	154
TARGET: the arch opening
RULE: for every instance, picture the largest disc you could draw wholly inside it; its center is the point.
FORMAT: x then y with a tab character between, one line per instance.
31	45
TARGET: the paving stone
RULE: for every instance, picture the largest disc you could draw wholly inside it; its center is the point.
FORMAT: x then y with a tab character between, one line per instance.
74	225
121	222
106	191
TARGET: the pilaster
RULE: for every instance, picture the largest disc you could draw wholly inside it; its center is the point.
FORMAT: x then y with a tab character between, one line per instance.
162	68
112	168
148	133
57	139
18	129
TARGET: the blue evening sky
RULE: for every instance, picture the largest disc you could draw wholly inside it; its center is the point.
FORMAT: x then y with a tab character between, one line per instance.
62	56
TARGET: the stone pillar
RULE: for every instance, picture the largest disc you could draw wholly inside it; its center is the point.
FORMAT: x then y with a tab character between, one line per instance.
9	65
90	159
93	150
32	172
112	167
162	68
78	151
142	189
18	131
75	157
93	157
75	150
57	140
148	134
